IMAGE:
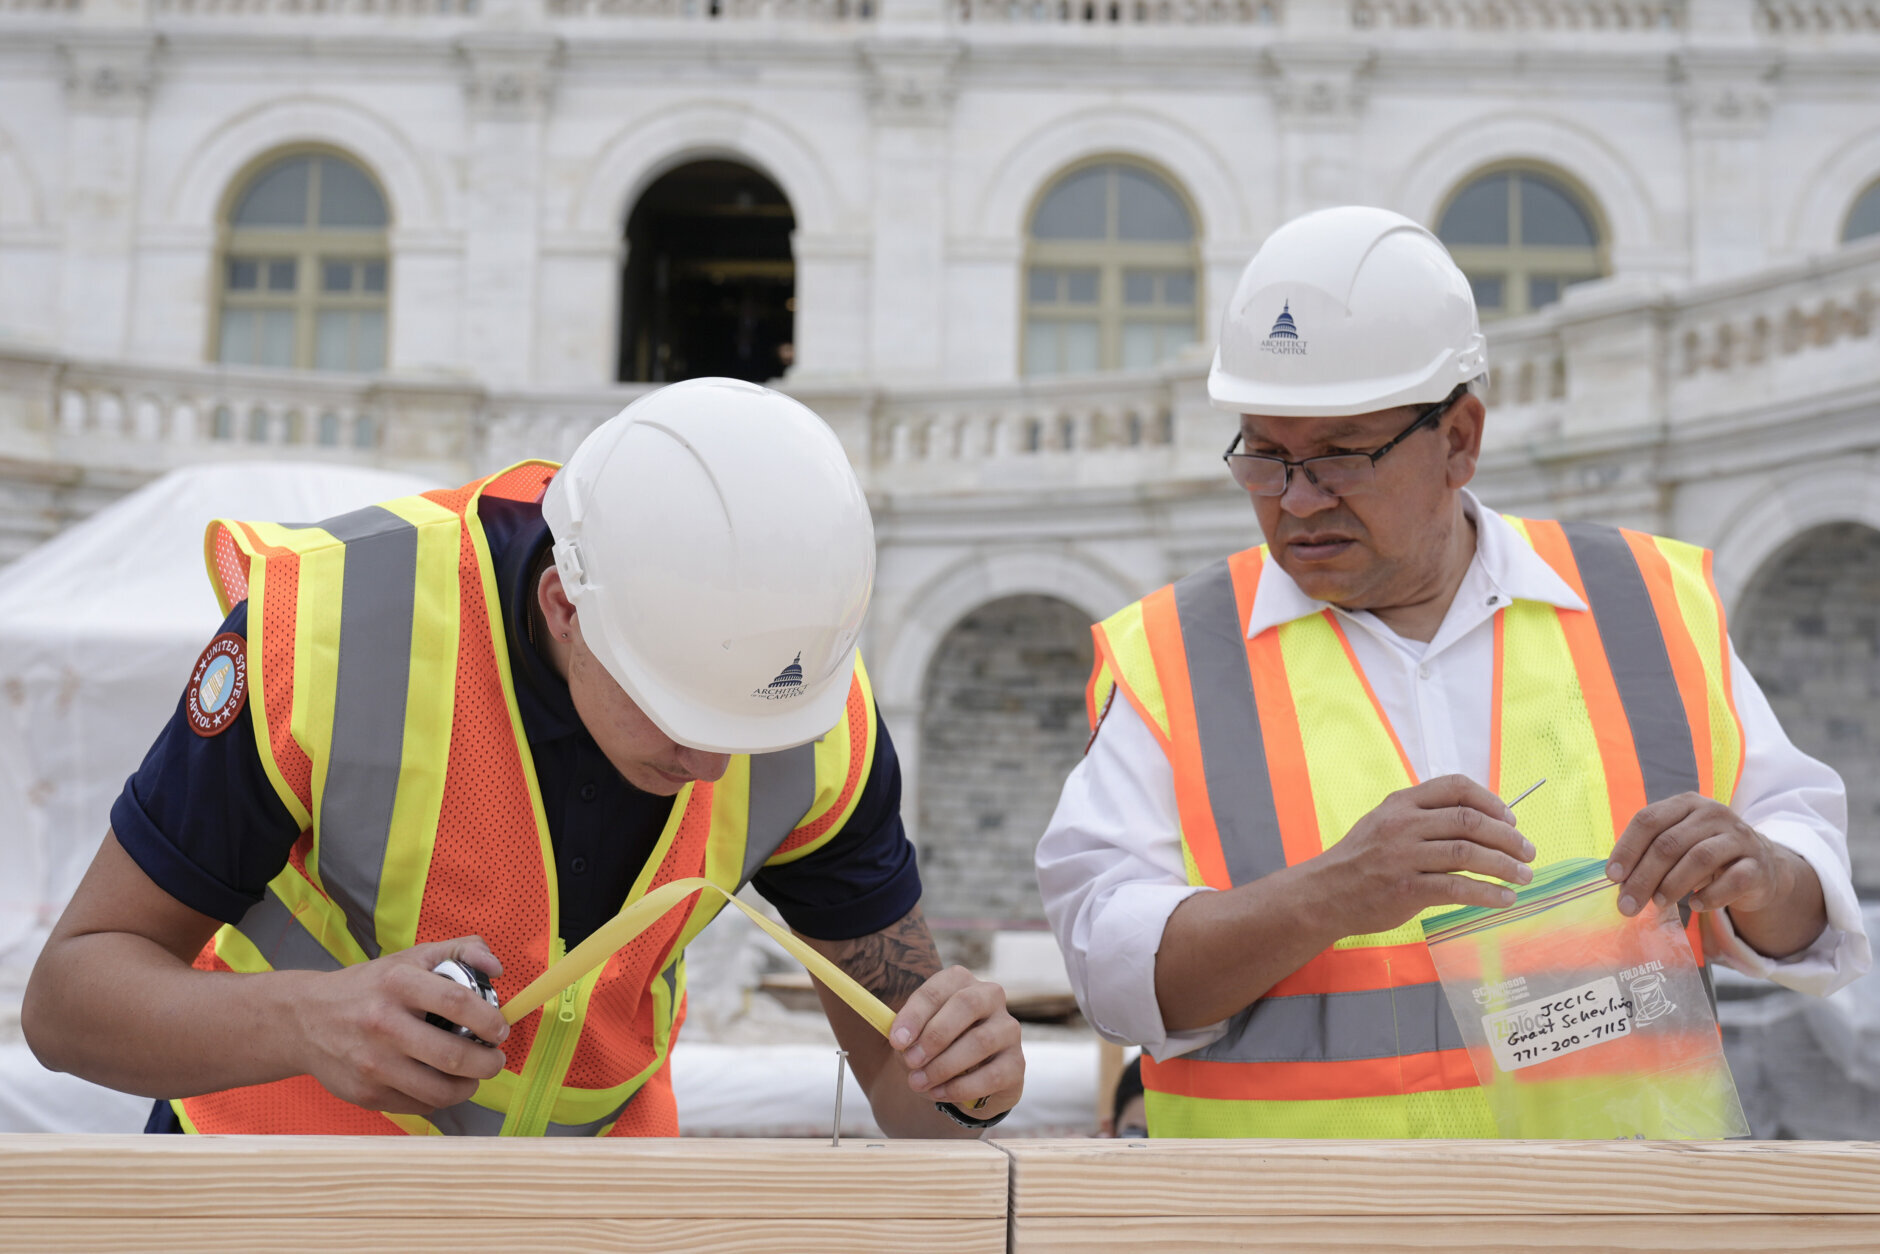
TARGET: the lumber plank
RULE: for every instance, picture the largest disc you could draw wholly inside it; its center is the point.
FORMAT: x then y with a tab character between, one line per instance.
1091	1179
649	1235
461	1178
1449	1234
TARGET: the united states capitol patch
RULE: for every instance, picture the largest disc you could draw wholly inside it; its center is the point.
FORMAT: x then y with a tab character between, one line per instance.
218	687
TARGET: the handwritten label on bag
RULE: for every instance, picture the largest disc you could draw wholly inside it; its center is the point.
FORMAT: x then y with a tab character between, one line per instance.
1555	1026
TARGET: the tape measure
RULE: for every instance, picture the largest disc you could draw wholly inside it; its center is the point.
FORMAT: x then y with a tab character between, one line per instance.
648	910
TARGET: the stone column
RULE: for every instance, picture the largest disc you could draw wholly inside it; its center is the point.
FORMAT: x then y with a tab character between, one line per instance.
911	69
509	89
1725	90
109	62
1319	82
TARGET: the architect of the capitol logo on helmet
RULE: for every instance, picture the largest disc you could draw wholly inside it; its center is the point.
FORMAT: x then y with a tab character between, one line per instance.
1284	337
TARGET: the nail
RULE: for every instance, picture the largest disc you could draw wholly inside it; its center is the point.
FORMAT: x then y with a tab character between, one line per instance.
1628	907
1507	896
1658	899
1525	873
916	1056
900	1038
1615	872
504	1034
1527	847
918	1080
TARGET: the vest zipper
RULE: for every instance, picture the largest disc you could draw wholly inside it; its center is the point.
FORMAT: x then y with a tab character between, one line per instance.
546	1064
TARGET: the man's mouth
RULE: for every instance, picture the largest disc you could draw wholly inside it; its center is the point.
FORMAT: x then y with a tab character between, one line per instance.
1318	548
672	777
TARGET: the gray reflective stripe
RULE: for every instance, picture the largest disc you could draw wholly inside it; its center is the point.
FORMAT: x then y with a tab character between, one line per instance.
783	787
467	1119
368	710
272	928
470	1119
1339	1027
1635	649
1233	753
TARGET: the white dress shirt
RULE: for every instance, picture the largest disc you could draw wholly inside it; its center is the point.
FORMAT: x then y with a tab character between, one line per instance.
1110	864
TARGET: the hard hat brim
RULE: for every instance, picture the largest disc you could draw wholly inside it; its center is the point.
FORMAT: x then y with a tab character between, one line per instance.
685	723
1238	395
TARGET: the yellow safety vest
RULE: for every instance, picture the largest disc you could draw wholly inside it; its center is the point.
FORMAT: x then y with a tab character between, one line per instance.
386	717
1278	747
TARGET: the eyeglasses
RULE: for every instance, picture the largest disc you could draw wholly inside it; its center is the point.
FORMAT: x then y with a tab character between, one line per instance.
1341	474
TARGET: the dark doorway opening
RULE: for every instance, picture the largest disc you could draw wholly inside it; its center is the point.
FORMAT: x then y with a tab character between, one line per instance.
710	285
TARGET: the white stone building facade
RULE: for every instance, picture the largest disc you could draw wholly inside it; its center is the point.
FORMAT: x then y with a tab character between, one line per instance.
1720	382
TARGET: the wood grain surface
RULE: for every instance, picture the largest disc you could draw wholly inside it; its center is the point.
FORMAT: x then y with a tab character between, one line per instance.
1093	1179
1455	1234
464	1178
648	1235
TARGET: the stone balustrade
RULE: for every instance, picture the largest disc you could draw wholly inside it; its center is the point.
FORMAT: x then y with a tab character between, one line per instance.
1818	17
1577	392
316	8
1120	12
1519	15
1778	20
1804	20
719	10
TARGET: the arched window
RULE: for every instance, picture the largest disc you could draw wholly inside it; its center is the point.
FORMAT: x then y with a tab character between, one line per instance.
1864	219
1523	237
1110	273
304	268
709	286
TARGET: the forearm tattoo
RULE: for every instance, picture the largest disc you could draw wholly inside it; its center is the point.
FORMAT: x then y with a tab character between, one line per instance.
893	962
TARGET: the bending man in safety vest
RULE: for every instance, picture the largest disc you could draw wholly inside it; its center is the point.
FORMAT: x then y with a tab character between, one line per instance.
1297	750
477	723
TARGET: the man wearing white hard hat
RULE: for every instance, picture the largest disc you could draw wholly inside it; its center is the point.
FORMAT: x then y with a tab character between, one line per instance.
1298	750
473	726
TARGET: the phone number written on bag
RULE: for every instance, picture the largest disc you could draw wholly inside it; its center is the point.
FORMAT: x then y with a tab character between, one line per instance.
1557	1025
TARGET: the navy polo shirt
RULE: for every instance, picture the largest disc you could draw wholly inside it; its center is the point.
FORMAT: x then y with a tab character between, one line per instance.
202	820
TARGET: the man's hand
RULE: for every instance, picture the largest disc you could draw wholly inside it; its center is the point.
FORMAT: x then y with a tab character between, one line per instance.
1403	857
968	1043
367	1042
960	1044
1398	860
1692	844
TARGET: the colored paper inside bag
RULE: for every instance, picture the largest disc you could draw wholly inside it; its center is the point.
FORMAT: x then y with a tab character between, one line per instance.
1581	1023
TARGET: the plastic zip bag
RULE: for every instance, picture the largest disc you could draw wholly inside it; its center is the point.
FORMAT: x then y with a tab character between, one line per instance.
1583	1024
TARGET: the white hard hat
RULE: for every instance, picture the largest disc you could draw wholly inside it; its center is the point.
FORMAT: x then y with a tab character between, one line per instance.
1346	311
719	553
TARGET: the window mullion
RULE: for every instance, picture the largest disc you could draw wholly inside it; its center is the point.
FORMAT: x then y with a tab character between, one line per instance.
306	303
1109	311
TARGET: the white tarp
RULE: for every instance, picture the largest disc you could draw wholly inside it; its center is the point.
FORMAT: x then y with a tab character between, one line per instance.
98	630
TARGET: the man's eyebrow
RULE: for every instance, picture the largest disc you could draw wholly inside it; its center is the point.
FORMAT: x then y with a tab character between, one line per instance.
1343	431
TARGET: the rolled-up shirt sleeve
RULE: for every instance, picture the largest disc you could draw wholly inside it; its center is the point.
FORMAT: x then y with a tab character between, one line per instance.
1800	804
1111	873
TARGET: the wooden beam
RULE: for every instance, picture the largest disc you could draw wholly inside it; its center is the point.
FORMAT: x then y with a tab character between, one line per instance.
1453	1234
466	1182
1117	1179
647	1235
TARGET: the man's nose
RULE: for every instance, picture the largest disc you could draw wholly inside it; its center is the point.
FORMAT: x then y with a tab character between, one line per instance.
1304	498
709	767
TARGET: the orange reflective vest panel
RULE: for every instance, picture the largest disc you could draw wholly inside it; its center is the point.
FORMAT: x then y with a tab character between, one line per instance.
1278	747
386	718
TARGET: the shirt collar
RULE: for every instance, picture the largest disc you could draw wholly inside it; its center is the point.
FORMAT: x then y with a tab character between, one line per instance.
1503	560
542	696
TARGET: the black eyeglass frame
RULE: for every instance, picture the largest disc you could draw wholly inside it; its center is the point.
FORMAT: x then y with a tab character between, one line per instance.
1433	414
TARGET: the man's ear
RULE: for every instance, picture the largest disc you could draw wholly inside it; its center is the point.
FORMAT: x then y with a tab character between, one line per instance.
557	609
1463	431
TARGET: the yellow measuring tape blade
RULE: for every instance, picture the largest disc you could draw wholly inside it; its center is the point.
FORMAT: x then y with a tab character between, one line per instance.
648	910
